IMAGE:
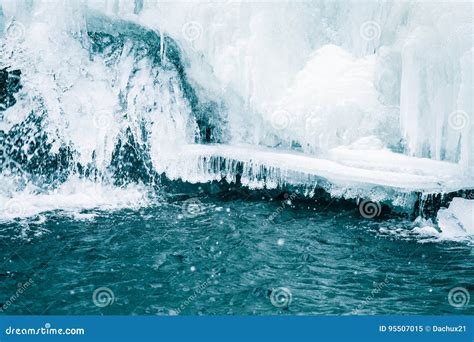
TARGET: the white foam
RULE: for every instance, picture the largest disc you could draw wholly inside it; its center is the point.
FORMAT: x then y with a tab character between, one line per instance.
71	198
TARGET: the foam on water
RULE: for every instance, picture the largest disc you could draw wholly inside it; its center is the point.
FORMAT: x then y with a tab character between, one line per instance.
70	198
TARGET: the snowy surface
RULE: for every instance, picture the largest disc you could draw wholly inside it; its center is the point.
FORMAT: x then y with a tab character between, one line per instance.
458	219
363	169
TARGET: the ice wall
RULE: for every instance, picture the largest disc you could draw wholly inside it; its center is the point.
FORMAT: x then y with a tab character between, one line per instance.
309	75
402	70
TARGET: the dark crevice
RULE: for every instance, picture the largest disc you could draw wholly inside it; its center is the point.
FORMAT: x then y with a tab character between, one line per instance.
9	86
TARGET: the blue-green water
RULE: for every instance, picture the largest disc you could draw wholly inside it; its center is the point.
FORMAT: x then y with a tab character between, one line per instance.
225	256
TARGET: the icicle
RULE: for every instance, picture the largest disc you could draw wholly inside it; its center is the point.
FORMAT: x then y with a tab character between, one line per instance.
162	47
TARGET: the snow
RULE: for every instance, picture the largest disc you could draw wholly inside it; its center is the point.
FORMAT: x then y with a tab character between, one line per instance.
458	219
365	170
332	101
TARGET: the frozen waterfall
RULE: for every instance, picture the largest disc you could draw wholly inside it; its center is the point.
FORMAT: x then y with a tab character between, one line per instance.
364	99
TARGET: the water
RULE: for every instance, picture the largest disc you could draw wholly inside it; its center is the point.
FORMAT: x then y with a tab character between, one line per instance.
214	255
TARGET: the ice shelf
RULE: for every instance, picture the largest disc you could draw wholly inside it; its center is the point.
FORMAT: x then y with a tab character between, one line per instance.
342	167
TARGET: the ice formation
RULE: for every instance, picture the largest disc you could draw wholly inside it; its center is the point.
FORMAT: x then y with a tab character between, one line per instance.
458	219
368	99
73	196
